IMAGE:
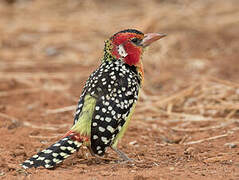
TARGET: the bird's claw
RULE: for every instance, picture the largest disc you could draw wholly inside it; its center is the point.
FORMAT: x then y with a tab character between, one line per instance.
123	156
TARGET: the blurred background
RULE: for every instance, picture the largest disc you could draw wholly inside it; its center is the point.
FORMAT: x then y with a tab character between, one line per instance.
63	35
48	48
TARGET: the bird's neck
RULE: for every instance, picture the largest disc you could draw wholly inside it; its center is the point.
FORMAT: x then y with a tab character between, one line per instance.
107	52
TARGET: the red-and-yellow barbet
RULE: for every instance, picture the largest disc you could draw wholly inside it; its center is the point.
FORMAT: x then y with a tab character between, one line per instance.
107	101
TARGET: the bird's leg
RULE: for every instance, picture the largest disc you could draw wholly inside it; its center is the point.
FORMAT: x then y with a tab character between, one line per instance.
122	155
91	152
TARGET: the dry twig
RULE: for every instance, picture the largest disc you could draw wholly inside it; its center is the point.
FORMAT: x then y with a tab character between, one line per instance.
208	139
222	125
46	126
60	110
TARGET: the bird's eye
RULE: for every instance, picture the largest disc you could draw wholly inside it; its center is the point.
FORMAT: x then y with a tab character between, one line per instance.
136	41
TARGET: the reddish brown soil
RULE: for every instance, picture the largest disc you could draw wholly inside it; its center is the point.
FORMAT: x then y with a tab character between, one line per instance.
189	107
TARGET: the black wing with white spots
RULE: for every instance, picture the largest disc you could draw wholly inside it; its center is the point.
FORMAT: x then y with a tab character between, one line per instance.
115	86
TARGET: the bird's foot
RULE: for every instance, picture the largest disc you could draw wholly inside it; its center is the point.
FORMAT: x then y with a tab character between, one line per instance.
123	156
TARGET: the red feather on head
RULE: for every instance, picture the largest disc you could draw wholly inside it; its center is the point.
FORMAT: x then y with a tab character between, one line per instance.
133	51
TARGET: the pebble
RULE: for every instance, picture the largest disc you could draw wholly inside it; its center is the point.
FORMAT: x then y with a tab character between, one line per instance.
190	151
133	142
171	168
231	145
51	51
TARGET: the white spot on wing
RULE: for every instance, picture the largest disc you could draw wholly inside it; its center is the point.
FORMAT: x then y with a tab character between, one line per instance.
110	128
54	154
47	161
95	137
107	119
104	139
48	151
101	129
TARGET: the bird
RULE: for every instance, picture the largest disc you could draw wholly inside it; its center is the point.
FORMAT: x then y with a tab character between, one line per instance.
107	101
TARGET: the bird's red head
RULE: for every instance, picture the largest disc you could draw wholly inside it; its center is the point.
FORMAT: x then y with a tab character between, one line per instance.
128	45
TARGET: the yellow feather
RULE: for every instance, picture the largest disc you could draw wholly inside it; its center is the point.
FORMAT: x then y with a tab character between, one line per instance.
83	125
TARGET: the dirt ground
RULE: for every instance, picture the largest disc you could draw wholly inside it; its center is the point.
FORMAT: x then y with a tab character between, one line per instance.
186	124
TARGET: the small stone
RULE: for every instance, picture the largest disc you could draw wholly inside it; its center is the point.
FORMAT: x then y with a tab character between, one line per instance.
189	151
51	51
133	143
171	168
19	152
14	124
231	145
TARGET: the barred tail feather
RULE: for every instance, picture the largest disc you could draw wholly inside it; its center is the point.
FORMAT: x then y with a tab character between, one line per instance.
54	154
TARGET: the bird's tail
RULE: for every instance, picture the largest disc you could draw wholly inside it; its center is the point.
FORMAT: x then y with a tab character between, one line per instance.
56	153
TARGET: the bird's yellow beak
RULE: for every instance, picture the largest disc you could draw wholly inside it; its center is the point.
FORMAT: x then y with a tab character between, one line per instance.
151	37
